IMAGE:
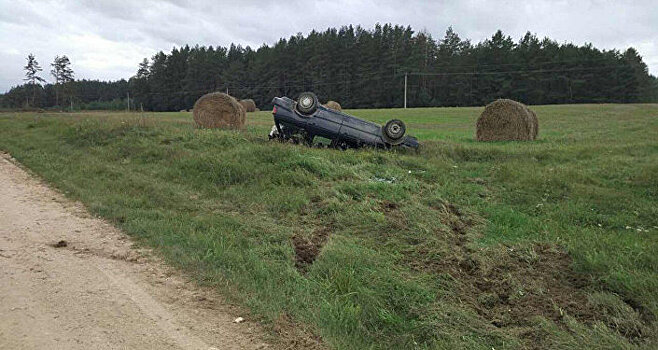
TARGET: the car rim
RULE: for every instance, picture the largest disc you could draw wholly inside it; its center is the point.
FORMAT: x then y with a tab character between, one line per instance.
306	101
394	129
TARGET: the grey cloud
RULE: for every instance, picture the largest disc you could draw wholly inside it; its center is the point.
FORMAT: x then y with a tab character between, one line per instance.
120	10
106	39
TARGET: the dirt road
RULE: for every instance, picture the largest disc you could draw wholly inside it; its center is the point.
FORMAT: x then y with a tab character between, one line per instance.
93	291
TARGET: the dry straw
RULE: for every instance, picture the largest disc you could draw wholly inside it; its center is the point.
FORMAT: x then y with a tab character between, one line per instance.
507	120
333	105
248	104
218	110
535	123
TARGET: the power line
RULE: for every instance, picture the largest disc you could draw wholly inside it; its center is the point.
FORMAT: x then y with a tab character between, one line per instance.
349	81
527	64
385	81
518	71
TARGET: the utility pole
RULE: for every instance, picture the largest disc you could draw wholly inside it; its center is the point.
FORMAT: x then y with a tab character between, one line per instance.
128	100
405	90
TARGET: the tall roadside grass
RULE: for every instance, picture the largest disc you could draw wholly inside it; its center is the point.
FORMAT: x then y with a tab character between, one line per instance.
387	249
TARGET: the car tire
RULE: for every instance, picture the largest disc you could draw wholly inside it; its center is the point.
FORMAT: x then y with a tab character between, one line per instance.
307	103
394	131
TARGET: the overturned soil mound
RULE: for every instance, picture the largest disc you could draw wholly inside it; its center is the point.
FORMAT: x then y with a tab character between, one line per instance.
510	286
506	120
307	249
248	104
219	110
333	105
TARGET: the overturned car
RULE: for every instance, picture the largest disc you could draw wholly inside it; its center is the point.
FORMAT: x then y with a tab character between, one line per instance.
302	120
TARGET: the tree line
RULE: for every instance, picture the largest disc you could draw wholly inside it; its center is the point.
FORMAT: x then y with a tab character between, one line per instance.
33	93
363	68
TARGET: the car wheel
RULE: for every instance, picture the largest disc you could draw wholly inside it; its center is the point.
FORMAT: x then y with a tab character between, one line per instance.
394	130
307	103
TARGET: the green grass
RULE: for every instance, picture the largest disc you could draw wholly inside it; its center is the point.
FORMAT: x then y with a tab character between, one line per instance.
510	245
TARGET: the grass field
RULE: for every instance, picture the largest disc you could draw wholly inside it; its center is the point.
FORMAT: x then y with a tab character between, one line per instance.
512	245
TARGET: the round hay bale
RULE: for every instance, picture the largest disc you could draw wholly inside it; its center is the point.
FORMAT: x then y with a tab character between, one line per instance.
506	120
248	104
535	123
257	110
333	105
243	112
218	110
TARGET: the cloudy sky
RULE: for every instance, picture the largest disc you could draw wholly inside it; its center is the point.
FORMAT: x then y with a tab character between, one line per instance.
106	39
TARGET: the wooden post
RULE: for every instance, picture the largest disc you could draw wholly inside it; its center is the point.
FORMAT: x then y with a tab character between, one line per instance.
405	90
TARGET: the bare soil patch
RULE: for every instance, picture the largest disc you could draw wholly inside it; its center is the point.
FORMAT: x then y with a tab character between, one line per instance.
296	335
511	286
307	249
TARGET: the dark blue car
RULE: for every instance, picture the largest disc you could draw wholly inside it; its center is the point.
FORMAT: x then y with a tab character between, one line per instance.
304	119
